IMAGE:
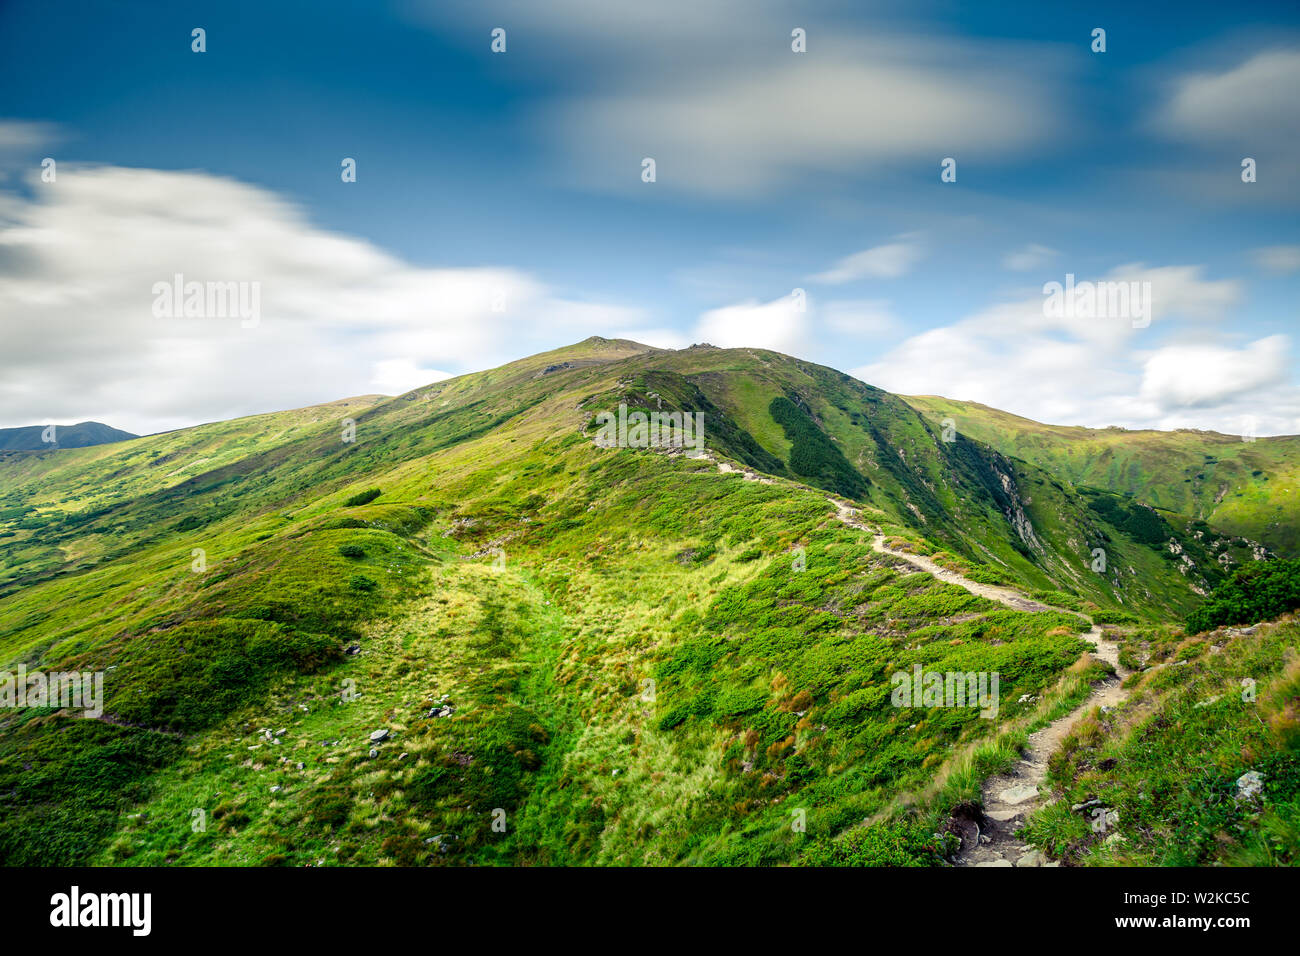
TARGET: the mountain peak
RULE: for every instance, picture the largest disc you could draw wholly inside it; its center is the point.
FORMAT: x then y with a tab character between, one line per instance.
43	437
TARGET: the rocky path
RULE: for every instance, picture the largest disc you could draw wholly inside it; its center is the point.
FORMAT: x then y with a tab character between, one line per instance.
1009	798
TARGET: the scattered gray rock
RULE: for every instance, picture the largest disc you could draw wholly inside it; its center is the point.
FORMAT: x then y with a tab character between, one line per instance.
1032	857
373	753
1249	786
1018	795
1003	816
442	842
378	735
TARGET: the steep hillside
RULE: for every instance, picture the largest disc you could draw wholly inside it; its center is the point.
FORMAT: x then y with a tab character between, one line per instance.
1245	488
1011	520
456	626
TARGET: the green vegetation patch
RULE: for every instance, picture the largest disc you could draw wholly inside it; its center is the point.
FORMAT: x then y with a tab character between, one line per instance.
813	455
1256	592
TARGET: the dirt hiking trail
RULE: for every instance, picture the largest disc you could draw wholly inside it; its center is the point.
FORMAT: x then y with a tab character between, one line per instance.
1009	798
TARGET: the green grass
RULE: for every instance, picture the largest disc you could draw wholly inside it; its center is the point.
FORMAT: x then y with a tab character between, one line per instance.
638	673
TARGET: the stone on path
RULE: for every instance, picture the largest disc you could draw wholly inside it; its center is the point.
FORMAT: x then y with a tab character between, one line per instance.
1018	795
1002	816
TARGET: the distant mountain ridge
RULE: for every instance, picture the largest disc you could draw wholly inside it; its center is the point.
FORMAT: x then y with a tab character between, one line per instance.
1240	485
80	435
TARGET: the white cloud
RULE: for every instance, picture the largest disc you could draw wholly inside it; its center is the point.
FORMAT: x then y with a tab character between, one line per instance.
776	325
741	130
1278	259
782	326
1196	376
21	145
1078	371
1221	116
396	376
1176	293
1032	256
339	316
1181	292
1252	106
713	92
1055	381
26	134
879	262
602	29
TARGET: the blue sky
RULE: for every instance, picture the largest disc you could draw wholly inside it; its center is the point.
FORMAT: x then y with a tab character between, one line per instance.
521	171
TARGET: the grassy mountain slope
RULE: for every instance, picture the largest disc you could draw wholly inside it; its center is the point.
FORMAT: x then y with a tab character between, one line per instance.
1241	488
623	651
56	504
